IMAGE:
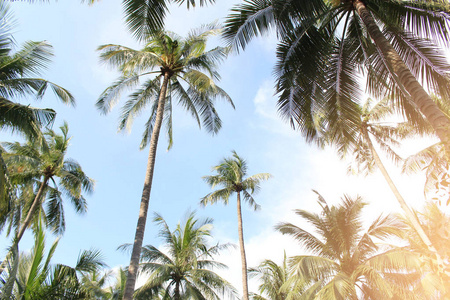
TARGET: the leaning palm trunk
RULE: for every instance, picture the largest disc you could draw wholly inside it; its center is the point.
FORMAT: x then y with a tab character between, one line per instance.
140	228
412	218
406	79
241	244
32	211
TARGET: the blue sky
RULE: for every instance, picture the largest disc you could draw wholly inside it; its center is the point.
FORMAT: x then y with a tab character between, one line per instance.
113	159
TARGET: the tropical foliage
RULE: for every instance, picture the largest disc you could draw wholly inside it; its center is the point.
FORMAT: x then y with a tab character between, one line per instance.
42	173
184	268
20	77
277	282
433	283
330	55
346	262
36	278
328	48
230	176
182	69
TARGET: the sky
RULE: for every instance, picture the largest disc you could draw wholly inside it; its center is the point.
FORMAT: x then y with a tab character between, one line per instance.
254	130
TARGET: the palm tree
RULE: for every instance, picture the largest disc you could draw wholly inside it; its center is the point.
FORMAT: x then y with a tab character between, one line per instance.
38	279
346	262
115	291
19	77
147	16
326	46
433	160
277	282
356	139
95	284
182	69
37	166
230	176
185	270
433	283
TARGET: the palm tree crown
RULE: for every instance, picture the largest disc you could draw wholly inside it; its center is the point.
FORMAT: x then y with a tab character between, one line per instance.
327	48
185	270
231	173
191	71
345	260
43	167
20	77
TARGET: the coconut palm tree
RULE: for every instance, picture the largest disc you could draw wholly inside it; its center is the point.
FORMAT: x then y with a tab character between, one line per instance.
20	72
356	139
345	262
37	278
20	77
327	49
185	269
172	67
230	176
433	282
147	16
277	282
433	160
43	168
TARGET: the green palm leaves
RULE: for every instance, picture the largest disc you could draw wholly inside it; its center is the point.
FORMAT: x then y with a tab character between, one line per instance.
41	172
230	176
346	260
19	77
191	71
185	269
36	278
327	48
172	68
145	17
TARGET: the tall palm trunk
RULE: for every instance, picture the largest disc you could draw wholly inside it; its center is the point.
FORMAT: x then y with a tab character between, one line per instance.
241	244
140	228
419	96
408	212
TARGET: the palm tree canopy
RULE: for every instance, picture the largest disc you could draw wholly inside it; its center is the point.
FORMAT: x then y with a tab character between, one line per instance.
276	281
355	138
325	52
20	72
185	269
28	164
144	17
231	177
192	71
37	278
344	258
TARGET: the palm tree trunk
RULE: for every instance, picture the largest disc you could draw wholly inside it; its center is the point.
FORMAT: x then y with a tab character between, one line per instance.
176	294
241	244
140	228
410	215
417	93
33	208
